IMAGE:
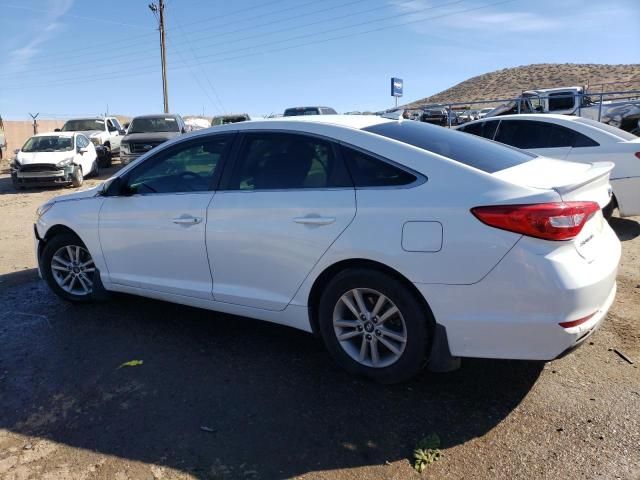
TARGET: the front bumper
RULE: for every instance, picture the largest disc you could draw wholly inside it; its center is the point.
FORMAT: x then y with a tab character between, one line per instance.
126	158
515	311
61	176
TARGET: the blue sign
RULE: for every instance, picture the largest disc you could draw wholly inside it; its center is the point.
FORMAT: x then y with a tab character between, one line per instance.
396	87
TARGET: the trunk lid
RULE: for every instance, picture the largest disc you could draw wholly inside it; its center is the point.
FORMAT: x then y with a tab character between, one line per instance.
573	182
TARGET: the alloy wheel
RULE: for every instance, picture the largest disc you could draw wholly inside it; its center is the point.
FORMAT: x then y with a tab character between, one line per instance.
73	269
369	327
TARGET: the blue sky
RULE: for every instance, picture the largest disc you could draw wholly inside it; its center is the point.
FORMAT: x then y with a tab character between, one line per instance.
80	57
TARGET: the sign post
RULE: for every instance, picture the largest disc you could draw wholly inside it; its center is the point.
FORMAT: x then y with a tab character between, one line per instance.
397	86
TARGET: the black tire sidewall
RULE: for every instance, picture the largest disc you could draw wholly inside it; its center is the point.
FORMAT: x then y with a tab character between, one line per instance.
76	180
417	322
50	248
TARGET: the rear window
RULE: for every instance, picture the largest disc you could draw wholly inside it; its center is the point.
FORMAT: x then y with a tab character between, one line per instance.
476	152
610	129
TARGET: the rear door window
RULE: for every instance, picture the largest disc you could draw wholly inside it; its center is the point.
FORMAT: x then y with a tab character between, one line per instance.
467	149
529	134
277	161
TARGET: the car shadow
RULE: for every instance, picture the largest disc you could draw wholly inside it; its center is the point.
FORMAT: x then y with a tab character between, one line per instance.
625	228
215	389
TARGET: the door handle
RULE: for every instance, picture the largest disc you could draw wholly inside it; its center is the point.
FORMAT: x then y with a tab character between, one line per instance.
187	220
314	220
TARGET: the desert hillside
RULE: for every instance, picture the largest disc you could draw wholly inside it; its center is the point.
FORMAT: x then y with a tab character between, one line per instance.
509	82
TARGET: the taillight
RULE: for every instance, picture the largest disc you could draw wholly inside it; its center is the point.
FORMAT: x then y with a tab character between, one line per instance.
575	323
549	221
637	154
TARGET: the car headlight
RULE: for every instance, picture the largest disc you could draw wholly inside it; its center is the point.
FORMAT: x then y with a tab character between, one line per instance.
96	141
124	147
65	162
42	209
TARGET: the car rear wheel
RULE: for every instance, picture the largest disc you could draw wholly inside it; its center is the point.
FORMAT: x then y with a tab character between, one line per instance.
374	326
68	268
95	168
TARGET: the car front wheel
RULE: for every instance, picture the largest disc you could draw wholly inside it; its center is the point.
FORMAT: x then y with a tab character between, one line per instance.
68	268
373	325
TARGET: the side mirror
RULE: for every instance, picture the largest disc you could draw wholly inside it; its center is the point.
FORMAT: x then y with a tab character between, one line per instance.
114	187
16	151
57	130
83	150
122	131
184	130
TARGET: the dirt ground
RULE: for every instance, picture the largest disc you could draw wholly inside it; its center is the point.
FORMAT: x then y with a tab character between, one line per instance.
222	397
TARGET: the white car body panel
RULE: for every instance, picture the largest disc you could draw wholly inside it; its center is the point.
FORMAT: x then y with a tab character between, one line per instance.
263	244
149	242
249	256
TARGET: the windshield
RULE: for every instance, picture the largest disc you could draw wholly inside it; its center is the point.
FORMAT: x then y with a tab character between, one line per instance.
610	129
292	112
153	124
476	152
83	125
48	144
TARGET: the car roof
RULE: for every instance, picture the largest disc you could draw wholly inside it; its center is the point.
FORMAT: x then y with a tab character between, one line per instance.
55	134
156	115
357	122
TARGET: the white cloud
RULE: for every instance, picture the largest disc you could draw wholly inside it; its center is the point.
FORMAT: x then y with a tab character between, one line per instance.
20	58
475	19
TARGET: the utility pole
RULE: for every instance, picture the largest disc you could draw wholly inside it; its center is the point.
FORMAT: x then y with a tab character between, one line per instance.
158	11
35	124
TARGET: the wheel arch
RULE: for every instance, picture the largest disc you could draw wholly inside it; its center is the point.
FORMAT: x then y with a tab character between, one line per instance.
331	271
53	231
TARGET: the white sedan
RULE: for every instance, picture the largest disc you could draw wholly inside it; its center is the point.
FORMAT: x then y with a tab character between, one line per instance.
578	140
398	242
57	158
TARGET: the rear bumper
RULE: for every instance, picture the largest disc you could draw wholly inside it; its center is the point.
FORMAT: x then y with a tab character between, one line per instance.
515	311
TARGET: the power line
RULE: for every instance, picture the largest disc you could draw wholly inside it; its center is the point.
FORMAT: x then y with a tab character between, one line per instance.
136	54
304	44
65	68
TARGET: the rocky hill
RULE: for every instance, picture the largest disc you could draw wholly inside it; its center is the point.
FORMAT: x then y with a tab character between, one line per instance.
509	82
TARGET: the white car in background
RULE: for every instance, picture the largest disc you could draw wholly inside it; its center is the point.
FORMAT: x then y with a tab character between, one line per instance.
578	140
483	112
398	242
60	158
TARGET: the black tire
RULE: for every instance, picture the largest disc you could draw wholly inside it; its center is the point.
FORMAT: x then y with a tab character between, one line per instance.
417	326
52	246
77	178
607	211
95	168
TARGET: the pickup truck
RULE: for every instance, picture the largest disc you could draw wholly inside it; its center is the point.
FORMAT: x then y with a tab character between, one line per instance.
148	131
105	134
622	114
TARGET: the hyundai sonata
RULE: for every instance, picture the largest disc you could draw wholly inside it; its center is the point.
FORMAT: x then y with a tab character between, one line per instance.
397	242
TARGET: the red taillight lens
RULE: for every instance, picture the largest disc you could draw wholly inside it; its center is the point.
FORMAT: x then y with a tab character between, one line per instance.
550	221
637	154
575	323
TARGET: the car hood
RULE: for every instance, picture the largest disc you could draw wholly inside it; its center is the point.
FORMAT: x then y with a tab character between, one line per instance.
79	195
29	158
150	137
